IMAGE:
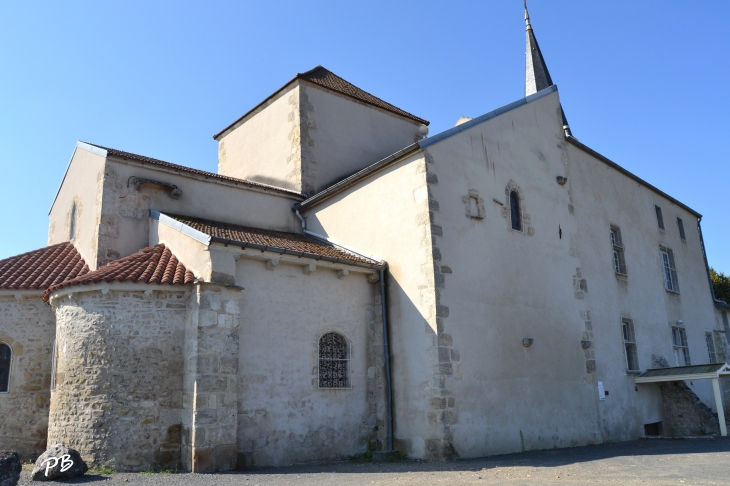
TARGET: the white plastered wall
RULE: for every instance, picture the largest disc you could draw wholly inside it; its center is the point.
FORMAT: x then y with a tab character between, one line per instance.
387	216
265	146
345	136
603	196
81	185
502	286
283	416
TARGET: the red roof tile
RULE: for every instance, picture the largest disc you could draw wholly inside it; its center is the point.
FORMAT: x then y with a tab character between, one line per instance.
154	265
273	239
40	269
181	168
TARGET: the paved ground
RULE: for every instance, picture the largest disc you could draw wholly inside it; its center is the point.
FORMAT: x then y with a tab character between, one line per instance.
647	462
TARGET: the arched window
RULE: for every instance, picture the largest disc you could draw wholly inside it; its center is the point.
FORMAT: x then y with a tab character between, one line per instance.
5	354
334	361
72	222
515	212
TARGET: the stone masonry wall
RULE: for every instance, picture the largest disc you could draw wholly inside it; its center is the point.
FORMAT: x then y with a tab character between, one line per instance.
684	413
118	396
27	325
211	373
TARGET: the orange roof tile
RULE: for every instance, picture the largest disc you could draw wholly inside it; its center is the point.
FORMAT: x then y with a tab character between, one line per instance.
40	269
272	239
154	265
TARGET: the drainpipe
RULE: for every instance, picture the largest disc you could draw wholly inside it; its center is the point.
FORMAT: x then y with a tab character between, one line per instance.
304	223
707	265
386	349
386	345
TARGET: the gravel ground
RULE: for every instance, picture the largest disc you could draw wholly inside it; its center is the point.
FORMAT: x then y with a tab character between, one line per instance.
644	461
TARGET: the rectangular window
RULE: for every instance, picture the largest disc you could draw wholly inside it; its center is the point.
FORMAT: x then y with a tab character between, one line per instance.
681	351
710	347
725	324
669	269
680	225
627	330
619	263
659	217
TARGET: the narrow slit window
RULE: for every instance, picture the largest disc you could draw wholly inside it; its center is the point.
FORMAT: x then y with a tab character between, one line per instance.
680	225
619	262
515	211
725	324
659	217
334	361
473	207
710	347
669	269
5	356
53	365
627	331
72	222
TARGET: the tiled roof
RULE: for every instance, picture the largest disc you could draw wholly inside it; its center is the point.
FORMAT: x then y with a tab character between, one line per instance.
154	265
181	168
293	242
327	79
330	80
39	269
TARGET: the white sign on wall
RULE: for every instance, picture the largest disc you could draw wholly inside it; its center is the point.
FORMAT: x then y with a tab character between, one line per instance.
601	391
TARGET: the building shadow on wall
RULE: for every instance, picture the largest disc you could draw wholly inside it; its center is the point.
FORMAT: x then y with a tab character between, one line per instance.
544	459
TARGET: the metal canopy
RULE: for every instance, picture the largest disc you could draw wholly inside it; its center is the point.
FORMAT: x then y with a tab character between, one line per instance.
682	373
698	372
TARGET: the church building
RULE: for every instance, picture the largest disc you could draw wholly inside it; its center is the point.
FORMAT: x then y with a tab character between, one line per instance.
348	283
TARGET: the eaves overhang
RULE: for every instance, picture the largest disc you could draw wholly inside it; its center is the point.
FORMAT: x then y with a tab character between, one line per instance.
574	141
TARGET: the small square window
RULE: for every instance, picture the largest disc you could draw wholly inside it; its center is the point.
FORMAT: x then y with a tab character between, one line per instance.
680	225
659	217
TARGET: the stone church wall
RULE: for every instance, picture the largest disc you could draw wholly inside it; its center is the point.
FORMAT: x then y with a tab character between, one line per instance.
119	382
283	415
27	325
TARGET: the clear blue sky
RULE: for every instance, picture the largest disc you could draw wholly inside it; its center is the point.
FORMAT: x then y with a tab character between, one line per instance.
645	83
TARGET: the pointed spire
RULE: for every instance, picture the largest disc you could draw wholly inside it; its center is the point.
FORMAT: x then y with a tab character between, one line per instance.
537	76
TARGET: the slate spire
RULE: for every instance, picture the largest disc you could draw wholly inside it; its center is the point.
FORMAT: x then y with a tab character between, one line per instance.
537	76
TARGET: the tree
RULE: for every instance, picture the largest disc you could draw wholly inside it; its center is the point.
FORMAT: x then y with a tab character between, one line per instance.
721	282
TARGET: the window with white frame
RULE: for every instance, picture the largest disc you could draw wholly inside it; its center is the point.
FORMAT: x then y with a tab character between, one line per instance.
710	347
5	357
632	358
659	217
334	361
681	351
680	226
669	269
619	263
